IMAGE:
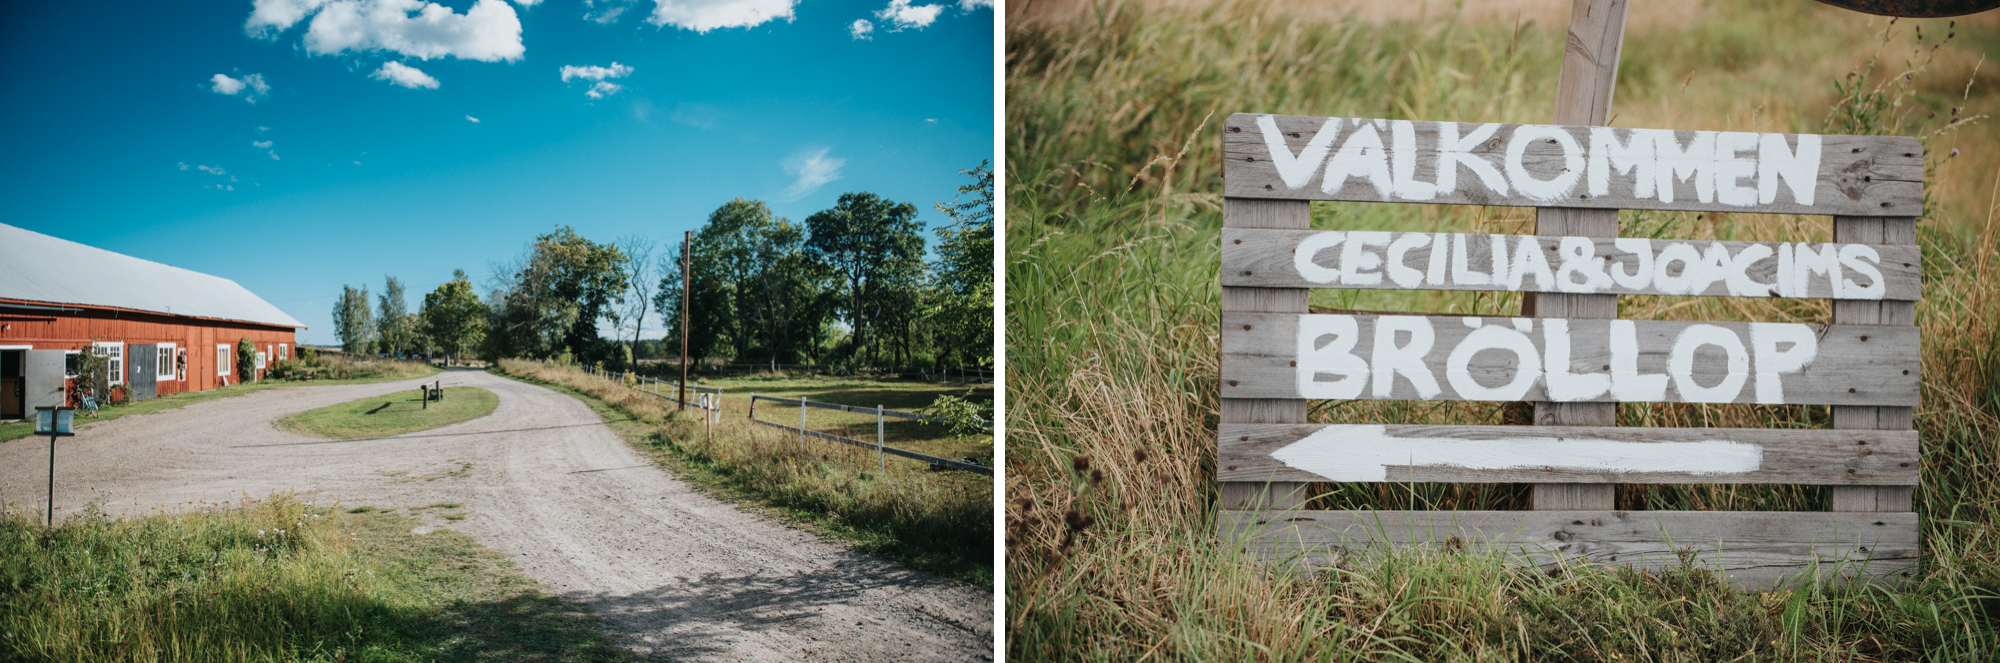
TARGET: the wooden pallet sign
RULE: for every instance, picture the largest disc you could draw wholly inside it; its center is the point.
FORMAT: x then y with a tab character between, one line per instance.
1276	355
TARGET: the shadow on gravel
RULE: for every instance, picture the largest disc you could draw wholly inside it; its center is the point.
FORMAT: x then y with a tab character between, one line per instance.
706	617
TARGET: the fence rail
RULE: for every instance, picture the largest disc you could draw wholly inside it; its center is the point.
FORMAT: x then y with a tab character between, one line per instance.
899	414
878	446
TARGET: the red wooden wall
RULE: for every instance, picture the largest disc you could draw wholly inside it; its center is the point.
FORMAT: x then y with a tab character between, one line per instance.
78	328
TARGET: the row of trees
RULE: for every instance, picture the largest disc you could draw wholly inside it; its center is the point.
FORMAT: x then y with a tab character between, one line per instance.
851	284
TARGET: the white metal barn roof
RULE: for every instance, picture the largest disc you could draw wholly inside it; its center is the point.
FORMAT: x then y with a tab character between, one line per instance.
38	268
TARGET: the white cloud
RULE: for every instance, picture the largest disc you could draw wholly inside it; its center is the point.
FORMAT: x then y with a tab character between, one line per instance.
262	144
263	128
611	13
603	89
931	120
274	157
705	15
969	5
184	165
861	29
813	168
488	31
530	3
252	87
473	119
904	15
404	75
212	170
595	73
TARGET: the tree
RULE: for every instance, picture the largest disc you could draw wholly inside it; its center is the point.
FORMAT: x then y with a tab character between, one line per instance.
246	361
392	322
872	244
962	278
639	251
552	297
453	317
354	320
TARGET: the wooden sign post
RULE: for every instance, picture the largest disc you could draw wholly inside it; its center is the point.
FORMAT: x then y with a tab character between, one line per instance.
1569	354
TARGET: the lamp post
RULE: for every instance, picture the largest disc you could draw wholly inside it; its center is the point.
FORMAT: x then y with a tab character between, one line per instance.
54	422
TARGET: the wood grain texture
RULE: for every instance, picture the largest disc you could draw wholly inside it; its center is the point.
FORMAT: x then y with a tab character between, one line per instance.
1854	365
1874	498
1755	550
1280	215
1591	49
1856	175
1270	259
1831	457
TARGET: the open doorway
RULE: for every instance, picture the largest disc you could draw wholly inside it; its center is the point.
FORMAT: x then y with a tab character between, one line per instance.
13	384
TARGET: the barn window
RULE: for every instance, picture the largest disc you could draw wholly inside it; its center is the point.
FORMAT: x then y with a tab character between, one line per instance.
166	363
114	354
221	359
71	363
284	351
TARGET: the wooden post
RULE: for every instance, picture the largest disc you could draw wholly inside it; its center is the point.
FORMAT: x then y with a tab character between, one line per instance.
1873	230
687	279
880	464
802	423
1583	98
753	405
1285	215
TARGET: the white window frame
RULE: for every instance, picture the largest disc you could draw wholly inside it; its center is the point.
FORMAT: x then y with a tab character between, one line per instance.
165	361
222	359
114	352
284	351
260	361
66	353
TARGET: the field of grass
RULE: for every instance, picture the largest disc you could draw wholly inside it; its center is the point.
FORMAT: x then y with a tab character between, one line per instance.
380	370
1113	214
392	414
940	522
273	581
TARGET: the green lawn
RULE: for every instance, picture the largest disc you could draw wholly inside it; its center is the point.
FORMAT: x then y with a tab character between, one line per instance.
274	581
392	414
22	429
905	395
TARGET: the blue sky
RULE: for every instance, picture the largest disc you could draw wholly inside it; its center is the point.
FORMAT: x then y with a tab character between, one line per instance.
297	145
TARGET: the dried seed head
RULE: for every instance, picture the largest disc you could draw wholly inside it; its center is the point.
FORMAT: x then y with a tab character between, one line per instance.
1096	477
1074	519
1139	455
1079	463
1027	505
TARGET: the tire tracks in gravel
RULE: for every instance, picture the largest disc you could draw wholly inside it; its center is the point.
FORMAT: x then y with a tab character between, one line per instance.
675	573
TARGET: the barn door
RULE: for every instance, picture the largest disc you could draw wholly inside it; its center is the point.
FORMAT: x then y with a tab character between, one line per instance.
143	371
44	371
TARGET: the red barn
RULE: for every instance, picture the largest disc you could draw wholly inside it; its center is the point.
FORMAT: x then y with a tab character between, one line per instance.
165	329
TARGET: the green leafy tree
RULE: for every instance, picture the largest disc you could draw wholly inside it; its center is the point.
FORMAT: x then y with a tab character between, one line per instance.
961	309
551	298
873	247
453	317
393	329
354	320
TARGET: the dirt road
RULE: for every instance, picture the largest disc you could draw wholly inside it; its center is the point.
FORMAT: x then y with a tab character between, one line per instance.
677	574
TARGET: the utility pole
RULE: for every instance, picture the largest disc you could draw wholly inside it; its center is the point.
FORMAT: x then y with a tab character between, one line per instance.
687	241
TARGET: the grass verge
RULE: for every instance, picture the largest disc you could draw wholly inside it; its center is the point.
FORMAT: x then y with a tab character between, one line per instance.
1112	325
273	580
392	414
390	371
940	522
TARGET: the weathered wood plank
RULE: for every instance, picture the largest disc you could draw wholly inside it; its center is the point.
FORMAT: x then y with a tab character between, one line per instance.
1288	157
1564	454
1591	49
1755	549
1571	265
1507	359
1267	214
1874	498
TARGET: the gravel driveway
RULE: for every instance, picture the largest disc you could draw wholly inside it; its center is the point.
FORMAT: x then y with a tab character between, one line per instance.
677	574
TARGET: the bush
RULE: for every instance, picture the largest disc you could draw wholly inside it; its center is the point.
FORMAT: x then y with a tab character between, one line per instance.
246	360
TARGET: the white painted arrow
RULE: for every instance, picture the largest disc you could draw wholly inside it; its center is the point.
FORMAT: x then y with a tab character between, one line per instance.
1366	452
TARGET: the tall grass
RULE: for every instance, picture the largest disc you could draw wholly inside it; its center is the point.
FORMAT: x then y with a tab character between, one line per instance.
1112	323
938	521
